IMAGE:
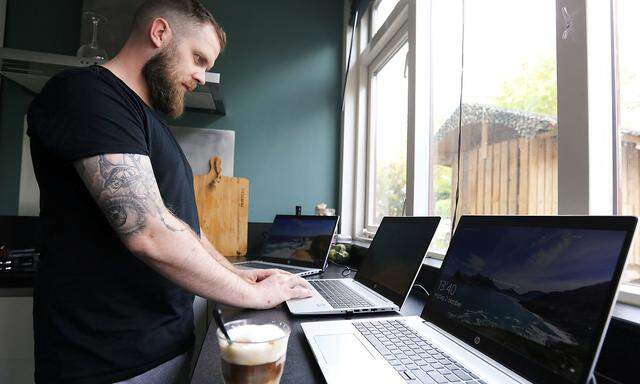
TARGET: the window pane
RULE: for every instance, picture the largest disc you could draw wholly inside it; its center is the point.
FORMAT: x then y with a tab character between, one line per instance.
508	160
628	85
381	10
389	129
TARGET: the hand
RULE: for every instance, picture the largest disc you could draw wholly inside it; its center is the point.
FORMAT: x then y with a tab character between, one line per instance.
279	287
257	275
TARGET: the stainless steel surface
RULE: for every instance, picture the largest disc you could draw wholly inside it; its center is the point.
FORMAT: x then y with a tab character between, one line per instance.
200	144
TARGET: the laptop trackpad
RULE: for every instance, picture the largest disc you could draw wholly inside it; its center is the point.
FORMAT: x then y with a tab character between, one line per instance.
342	348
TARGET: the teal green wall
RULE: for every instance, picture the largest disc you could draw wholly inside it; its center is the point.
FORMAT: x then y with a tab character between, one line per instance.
281	84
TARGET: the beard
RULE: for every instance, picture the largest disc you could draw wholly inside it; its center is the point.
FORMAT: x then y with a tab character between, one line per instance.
165	88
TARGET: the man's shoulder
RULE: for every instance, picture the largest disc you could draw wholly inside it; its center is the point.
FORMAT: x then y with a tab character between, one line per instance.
80	72
84	89
82	94
82	110
78	79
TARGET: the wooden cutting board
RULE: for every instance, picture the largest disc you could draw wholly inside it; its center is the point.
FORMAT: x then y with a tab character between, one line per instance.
223	209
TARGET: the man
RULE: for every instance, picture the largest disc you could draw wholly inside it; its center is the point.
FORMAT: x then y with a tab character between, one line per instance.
122	248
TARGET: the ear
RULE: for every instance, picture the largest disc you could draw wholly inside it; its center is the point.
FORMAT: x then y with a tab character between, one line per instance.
160	32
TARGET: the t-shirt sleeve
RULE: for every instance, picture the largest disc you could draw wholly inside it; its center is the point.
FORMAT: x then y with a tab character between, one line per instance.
82	116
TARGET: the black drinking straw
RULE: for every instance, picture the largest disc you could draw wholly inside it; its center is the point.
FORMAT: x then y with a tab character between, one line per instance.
217	316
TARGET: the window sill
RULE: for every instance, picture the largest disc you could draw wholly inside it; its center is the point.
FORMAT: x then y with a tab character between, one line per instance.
433	260
627	312
630	294
363	240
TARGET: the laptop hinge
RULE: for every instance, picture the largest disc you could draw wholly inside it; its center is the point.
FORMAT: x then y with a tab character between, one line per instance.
372	292
477	353
276	265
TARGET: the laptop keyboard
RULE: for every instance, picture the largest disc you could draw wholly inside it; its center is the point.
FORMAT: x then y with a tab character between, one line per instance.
412	356
339	295
267	266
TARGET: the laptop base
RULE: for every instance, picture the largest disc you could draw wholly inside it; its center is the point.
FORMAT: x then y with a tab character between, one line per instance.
318	305
332	340
264	265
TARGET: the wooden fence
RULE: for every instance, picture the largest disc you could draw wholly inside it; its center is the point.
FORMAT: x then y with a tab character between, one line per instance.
520	177
512	177
629	195
509	166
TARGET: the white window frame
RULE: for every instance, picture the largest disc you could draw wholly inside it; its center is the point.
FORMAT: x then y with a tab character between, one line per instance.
373	67
356	169
587	144
369	54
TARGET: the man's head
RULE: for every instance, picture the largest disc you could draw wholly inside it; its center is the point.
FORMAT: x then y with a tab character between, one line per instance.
186	40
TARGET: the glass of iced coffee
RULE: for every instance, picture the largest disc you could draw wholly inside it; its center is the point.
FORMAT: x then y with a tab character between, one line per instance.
256	353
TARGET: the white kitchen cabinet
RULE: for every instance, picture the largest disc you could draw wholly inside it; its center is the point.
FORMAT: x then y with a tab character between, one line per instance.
16	340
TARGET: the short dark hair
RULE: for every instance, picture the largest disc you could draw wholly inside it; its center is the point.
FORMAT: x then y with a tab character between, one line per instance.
191	10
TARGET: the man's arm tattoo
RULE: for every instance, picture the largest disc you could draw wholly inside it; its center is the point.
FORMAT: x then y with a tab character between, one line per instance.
126	191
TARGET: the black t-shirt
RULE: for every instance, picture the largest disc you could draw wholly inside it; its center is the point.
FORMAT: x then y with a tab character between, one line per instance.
100	314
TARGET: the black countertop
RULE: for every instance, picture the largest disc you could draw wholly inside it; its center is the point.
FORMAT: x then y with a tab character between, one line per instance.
616	363
300	366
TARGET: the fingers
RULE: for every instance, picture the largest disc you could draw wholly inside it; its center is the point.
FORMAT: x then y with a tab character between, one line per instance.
300	293
295	281
251	276
280	271
262	274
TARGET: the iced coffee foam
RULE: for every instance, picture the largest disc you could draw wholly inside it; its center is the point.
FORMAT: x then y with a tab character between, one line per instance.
254	344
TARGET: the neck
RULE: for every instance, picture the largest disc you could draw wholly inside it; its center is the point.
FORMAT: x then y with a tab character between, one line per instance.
127	66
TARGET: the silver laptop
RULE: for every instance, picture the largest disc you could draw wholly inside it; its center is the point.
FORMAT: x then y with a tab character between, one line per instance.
297	244
518	300
385	277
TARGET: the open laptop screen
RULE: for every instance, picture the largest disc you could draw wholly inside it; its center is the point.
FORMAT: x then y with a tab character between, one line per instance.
534	293
395	255
300	240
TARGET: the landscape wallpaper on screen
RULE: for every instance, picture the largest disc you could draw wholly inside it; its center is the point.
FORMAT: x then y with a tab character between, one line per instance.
537	292
299	239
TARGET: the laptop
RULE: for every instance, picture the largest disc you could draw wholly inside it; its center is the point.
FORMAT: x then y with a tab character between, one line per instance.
385	277
296	244
518	300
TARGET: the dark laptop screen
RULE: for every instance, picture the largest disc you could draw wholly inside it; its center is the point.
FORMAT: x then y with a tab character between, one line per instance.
395	255
300	240
534	297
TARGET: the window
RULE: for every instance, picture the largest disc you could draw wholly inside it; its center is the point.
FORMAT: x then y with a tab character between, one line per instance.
381	11
446	46
508	146
533	117
377	103
628	122
388	135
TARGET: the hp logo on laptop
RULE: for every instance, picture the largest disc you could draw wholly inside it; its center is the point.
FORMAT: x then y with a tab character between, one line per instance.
476	340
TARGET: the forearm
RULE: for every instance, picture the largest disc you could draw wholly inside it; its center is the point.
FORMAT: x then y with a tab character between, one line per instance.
181	257
124	187
215	254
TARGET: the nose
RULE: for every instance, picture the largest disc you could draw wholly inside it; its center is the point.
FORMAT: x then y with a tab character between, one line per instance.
199	77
